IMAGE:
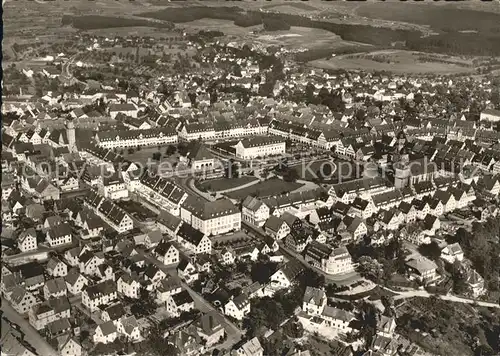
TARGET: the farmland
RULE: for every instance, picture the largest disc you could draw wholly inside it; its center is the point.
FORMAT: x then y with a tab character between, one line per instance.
442	18
226	26
270	187
398	62
89	22
296	8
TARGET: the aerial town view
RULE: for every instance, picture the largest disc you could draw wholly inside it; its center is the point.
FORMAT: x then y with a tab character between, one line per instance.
250	178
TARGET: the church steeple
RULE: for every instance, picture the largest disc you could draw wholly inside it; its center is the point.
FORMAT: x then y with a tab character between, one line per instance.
70	133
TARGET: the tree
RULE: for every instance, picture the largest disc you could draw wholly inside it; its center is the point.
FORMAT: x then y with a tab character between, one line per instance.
171	150
261	272
418	98
495	98
290	175
431	251
458	276
157	156
368	318
370	268
310	93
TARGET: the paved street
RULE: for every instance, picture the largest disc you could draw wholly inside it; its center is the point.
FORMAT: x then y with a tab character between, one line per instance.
233	332
31	335
451	298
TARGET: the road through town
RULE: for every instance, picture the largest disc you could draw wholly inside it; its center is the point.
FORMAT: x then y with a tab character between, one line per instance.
31	335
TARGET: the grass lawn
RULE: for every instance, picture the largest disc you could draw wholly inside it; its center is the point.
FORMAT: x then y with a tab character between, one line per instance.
268	188
343	169
216	185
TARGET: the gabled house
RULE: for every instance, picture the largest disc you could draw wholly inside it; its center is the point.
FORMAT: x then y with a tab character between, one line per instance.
55	288
314	301
21	299
26	240
187	271
56	268
276	227
180	302
452	253
129	328
237	307
168	286
297	240
254	211
129	286
209	328
99	294
167	253
285	276
75	281
105	333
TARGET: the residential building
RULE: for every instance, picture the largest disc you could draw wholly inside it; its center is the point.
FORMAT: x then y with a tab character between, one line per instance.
237	307
254	211
422	269
167	253
276	227
59	235
129	286
193	240
249	348
51	310
209	329
99	294
452	253
21	299
180	302
105	333
314	301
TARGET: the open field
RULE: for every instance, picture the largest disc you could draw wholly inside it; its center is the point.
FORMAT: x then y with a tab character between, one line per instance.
443	18
300	37
226	26
217	185
400	62
142	31
271	187
296	37
297	8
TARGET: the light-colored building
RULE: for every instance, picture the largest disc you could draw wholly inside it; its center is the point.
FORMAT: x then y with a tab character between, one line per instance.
193	240
332	261
211	218
260	147
133	138
314	301
254	211
129	286
51	310
237	307
180	302
99	294
167	253
422	269
452	253
250	348
105	333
